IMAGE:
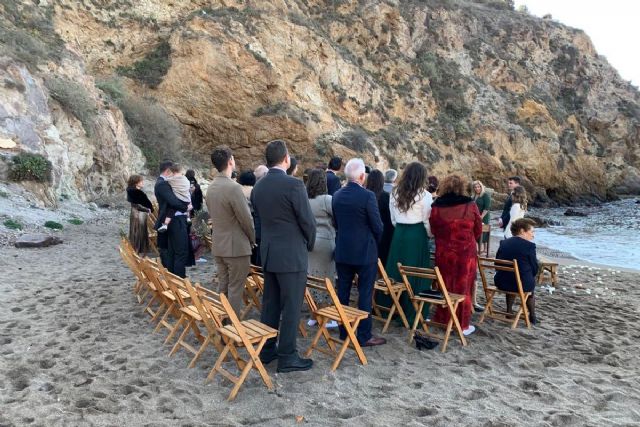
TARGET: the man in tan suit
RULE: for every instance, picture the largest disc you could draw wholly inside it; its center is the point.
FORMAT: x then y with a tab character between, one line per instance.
233	232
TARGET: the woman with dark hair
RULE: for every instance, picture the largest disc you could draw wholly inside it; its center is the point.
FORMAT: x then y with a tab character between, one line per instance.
293	167
410	206
375	183
196	192
247	179
140	208
456	224
432	186
521	248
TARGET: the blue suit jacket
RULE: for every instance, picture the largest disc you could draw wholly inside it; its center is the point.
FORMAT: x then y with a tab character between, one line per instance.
358	225
524	252
333	183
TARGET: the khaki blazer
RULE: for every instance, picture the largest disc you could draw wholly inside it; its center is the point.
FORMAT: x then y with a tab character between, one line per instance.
232	224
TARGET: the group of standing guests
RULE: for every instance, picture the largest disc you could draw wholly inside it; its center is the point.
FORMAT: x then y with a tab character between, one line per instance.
321	228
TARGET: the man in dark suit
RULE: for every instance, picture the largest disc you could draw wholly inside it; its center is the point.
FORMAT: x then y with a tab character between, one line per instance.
333	182
512	183
174	244
358	231
288	233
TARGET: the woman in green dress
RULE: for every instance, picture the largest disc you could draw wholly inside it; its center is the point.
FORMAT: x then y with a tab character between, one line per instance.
483	201
410	206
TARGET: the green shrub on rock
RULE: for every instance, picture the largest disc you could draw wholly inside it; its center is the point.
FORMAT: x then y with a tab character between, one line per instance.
12	224
30	167
53	225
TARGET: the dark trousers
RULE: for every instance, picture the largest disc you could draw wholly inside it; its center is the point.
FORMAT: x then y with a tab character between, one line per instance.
282	297
366	278
177	252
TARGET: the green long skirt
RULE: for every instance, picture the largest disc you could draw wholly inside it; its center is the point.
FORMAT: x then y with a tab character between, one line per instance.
410	247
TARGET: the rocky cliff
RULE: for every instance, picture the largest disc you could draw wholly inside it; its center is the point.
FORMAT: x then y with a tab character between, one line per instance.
465	86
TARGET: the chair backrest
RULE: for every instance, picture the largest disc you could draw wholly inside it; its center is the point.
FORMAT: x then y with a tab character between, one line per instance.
495	264
214	311
383	274
134	262
424	273
257	275
152	271
318	284
235	321
176	284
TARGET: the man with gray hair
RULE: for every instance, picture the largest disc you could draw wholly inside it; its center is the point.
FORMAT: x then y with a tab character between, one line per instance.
260	172
358	231
389	179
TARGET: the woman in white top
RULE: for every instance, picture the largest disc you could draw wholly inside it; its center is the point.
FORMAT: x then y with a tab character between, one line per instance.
410	206
518	208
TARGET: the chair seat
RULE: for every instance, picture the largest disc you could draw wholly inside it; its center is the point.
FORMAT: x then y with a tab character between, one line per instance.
255	331
352	313
439	301
380	286
172	297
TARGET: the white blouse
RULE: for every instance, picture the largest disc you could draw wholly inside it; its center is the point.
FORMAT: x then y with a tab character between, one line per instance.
515	213
418	212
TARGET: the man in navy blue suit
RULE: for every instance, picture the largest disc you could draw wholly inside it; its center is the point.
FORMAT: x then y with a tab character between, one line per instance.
358	231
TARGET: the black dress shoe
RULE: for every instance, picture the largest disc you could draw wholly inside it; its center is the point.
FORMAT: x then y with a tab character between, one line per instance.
266	358
478	308
294	363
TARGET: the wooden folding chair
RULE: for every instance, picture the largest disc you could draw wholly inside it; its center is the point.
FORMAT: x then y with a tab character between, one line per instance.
254	286
394	290
250	334
152	234
348	317
151	269
547	267
449	301
490	292
158	275
133	260
178	296
210	315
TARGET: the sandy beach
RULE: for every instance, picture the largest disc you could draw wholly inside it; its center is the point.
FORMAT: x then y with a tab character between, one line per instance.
76	350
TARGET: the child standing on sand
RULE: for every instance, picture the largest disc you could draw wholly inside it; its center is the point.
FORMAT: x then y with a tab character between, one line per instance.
182	189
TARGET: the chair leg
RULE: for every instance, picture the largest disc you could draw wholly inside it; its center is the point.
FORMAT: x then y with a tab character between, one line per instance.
389	318
396	303
488	309
316	338
445	338
163	320
257	363
456	323
178	343
201	350
219	362
175	329
241	378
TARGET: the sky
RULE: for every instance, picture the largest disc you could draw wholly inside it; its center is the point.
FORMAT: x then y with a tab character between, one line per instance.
613	25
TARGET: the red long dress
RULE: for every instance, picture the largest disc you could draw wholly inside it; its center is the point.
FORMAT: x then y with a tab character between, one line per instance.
456	228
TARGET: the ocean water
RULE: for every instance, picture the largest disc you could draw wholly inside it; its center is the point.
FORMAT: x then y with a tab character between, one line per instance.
609	235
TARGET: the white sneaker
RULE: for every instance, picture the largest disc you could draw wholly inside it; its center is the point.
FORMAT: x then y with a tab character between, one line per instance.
471	329
312	322
332	324
201	260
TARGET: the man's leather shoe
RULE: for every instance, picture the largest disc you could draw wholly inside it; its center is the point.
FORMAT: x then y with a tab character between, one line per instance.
294	363
374	341
266	358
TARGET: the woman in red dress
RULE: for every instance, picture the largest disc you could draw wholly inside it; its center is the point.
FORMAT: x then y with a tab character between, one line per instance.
456	225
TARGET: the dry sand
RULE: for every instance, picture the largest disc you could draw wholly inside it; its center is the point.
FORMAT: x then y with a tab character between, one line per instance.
76	350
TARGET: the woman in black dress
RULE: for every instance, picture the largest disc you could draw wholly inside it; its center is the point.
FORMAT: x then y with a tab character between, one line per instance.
375	183
140	208
196	192
521	248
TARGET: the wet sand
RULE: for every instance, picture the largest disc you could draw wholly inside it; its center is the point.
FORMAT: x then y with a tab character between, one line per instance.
76	350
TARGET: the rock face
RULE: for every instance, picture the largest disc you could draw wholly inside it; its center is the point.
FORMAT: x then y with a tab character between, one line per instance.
472	87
